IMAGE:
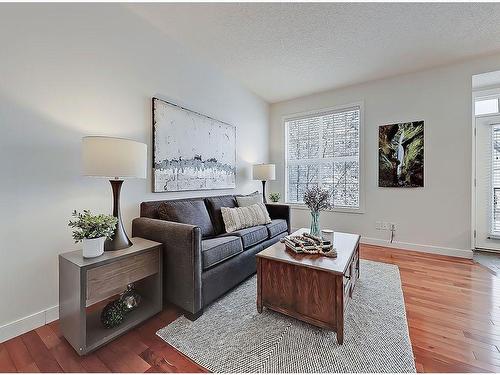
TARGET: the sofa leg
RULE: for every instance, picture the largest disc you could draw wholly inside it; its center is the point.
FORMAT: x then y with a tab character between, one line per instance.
194	316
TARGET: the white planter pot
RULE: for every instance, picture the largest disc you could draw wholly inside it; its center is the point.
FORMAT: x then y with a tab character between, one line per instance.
93	247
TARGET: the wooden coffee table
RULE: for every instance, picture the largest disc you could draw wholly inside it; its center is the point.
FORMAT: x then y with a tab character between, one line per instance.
312	288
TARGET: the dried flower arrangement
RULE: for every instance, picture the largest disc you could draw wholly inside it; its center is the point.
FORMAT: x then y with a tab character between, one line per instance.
317	199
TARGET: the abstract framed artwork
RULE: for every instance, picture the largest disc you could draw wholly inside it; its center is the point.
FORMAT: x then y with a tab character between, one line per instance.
401	155
191	151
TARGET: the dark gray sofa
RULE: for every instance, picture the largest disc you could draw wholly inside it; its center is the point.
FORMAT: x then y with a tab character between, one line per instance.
201	260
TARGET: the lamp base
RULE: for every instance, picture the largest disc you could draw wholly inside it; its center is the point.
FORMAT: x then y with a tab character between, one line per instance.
264	191
120	239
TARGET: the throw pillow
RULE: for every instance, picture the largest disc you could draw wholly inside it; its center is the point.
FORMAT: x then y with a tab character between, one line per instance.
214	205
245	217
190	211
248	200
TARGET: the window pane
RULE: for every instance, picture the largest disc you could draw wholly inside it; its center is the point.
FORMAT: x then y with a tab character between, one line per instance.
483	107
293	193
324	150
328	136
495	179
346	133
303	138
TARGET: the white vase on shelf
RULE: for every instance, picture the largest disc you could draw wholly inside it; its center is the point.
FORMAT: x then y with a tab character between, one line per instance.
93	247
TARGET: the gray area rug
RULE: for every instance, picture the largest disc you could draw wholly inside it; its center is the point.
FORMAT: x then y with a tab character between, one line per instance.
232	337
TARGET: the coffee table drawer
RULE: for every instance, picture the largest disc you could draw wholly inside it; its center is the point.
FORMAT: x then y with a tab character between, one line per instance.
350	277
107	280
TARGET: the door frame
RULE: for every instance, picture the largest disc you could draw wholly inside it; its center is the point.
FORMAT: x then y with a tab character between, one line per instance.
476	94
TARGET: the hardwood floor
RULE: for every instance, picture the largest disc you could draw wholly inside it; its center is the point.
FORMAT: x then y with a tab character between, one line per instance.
452	309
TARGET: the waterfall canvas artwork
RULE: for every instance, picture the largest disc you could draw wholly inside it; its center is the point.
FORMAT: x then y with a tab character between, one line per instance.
401	155
191	151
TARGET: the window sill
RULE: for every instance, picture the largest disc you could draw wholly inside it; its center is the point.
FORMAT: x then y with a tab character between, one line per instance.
339	210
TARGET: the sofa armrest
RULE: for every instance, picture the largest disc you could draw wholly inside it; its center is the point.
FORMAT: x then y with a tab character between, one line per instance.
181	259
279	211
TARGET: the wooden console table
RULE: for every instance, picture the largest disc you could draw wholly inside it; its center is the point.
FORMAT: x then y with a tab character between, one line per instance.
86	285
311	288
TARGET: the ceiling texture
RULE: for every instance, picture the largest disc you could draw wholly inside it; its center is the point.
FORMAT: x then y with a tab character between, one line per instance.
286	50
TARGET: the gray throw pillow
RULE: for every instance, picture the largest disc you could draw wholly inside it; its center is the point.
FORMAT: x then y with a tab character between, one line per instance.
189	211
248	200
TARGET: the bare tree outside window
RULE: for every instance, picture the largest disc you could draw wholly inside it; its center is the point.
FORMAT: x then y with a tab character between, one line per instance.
323	149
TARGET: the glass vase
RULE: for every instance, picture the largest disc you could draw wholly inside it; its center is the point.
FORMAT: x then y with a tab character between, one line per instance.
315	228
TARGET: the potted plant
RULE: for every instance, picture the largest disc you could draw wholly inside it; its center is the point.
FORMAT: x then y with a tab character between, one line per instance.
92	231
275	197
317	199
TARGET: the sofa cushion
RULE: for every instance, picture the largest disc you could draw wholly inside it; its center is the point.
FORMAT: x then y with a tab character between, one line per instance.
276	226
250	236
216	250
248	200
245	217
214	205
189	211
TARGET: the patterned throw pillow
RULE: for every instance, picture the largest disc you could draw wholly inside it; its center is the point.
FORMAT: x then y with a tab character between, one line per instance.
245	217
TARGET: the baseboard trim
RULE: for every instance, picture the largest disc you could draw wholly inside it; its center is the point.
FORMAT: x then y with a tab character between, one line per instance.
28	323
431	249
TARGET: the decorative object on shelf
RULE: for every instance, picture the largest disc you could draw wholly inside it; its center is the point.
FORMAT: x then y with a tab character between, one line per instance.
264	172
401	155
130	298
191	151
115	311
113	314
274	197
309	244
92	231
117	159
327	235
317	199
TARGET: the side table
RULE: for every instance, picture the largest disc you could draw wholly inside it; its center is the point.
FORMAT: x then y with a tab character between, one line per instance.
86	285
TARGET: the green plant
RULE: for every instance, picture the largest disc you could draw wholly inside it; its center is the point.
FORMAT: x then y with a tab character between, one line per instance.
90	226
274	197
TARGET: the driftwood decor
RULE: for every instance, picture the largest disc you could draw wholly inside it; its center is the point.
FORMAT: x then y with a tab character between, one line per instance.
309	244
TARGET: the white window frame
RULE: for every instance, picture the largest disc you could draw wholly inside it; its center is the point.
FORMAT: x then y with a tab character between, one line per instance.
319	112
477	94
491	198
485	95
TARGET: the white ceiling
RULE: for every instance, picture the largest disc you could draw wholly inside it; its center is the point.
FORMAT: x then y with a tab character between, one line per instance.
285	50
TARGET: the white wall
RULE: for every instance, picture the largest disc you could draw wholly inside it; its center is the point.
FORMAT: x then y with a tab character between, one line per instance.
436	218
72	70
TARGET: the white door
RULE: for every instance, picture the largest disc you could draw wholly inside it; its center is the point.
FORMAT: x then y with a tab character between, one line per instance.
487	191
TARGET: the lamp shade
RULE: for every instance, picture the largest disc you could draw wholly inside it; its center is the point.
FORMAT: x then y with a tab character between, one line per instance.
264	172
114	157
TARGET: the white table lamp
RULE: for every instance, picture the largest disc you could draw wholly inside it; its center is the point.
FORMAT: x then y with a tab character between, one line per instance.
116	159
264	172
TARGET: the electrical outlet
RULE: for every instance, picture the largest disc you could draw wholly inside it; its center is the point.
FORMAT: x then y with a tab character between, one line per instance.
384	225
378	225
